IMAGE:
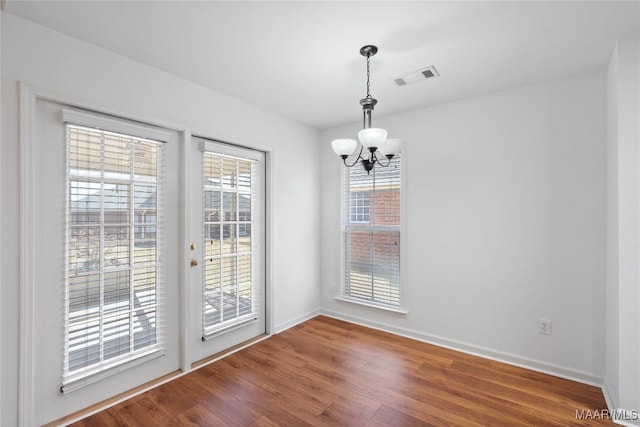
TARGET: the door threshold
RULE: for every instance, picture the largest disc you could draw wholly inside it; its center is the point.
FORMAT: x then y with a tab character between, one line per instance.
224	353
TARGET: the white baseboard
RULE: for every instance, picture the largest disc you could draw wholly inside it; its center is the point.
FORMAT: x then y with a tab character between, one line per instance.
609	397
523	362
280	327
612	405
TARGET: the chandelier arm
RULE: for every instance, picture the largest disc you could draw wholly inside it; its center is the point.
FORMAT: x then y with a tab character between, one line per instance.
355	161
377	160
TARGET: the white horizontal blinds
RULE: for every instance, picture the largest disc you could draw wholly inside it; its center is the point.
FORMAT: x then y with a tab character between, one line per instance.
371	223
114	224
229	264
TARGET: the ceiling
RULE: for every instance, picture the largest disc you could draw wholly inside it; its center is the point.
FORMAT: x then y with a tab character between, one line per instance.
301	59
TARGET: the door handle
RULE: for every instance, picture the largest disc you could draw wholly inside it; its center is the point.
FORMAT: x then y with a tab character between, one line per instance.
194	262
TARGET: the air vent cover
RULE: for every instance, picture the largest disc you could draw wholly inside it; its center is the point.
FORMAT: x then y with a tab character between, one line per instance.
416	76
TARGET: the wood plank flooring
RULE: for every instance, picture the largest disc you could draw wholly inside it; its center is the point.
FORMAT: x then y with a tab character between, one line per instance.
329	372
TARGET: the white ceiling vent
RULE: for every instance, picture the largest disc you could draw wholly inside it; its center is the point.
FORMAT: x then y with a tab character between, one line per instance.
416	76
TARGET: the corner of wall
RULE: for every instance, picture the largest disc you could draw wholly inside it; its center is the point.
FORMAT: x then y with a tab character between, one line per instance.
611	380
622	376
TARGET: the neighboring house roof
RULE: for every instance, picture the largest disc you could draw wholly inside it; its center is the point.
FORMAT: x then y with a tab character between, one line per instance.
114	199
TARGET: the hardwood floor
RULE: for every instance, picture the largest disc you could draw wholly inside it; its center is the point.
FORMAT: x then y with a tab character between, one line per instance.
328	372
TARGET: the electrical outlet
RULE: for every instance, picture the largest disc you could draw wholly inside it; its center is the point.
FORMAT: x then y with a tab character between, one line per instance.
544	326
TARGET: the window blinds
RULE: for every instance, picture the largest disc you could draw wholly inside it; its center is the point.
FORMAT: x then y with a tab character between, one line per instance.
113	290
229	290
371	233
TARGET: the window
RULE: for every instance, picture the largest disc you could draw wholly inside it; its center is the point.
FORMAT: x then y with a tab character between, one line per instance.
371	235
359	209
112	283
229	295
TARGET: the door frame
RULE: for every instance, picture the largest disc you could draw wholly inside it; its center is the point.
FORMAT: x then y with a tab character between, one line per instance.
28	97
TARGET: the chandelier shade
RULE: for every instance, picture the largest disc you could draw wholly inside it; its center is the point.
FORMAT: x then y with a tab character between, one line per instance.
344	147
372	140
391	147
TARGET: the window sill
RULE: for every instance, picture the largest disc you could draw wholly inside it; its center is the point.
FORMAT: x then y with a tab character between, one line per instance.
399	311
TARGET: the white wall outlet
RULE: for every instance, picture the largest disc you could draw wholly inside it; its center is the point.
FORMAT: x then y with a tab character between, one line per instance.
544	326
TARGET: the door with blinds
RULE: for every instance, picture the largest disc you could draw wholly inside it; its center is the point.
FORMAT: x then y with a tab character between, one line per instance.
104	200
227	218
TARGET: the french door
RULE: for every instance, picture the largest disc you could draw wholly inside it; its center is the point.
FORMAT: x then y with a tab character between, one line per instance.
105	219
104	251
227	267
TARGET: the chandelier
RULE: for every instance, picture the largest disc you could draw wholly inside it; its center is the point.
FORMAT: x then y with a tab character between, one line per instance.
373	141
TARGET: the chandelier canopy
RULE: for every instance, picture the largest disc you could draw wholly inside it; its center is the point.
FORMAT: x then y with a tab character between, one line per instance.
373	140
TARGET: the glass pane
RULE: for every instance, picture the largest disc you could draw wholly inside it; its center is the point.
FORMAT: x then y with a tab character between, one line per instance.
84	296
117	291
116	203
116	333
145	160
117	156
144	328
84	202
145	220
386	266
144	204
211	206
244	237
212	240
229	242
144	287
116	245
229	273
244	207
211	170
244	175
229	288
245	285
229	206
83	340
229	177
85	153
212	293
144	250
83	245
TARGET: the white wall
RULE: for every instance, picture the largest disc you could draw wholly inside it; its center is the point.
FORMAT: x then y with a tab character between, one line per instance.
47	59
1	345
506	224
623	227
